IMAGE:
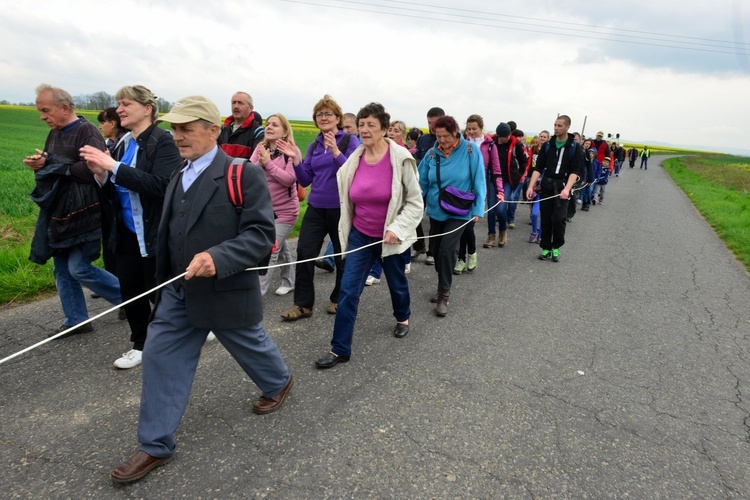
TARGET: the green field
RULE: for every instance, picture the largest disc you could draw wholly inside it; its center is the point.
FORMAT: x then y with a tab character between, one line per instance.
719	187
717	184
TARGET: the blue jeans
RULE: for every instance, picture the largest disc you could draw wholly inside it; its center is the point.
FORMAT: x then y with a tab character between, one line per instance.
586	196
73	269
535	227
377	269
358	265
498	214
329	251
515	195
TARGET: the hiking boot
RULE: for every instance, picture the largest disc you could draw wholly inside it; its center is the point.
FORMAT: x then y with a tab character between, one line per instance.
490	241
442	303
545	255
502	238
471	262
460	267
555	255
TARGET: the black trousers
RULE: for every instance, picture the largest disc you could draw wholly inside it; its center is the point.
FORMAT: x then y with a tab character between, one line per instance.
316	224
552	214
445	249
136	274
468	240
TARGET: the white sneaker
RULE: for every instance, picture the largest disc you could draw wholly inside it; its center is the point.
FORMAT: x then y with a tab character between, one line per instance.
407	269
429	260
130	359
210	337
283	290
372	280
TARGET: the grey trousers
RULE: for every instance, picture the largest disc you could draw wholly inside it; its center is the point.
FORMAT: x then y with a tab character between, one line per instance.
170	358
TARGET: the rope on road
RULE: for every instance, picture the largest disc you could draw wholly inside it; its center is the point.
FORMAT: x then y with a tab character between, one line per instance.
259	268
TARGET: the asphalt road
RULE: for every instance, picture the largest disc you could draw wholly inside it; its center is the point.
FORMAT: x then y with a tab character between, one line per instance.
621	371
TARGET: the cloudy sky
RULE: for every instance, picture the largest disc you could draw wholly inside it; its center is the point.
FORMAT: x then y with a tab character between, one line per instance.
651	71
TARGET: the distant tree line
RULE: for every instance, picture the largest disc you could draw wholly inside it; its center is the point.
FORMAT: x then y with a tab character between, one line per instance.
97	100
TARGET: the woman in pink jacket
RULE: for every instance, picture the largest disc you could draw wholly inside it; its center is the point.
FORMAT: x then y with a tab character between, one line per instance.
272	156
495	195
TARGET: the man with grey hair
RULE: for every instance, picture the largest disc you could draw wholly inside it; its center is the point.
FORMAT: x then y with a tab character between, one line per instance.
69	227
243	130
204	233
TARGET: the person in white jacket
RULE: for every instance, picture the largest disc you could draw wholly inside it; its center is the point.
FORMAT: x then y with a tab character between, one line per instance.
381	203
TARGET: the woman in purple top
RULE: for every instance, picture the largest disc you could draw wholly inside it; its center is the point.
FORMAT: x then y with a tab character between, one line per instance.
381	204
324	157
282	183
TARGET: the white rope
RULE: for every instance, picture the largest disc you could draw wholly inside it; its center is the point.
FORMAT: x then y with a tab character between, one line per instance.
259	268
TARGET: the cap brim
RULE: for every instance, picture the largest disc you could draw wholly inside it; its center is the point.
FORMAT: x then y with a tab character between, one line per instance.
173	117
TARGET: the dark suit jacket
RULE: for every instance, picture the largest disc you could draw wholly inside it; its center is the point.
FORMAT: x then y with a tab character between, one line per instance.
231	299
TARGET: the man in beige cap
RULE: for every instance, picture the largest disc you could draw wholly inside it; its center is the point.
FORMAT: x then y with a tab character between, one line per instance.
203	233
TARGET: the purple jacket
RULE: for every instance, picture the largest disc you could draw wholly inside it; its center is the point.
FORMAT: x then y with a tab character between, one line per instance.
319	169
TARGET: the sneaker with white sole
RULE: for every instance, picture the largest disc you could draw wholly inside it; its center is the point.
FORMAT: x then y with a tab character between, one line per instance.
407	269
372	280
210	337
429	260
459	267
283	290
130	359
471	262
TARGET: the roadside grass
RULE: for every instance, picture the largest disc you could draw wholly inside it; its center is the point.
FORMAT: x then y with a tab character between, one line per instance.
719	187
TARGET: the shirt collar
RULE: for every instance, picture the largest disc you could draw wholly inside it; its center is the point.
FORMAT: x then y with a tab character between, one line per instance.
200	164
447	152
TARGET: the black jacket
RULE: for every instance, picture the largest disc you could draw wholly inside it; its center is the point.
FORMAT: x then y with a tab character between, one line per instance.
513	161
157	158
69	212
572	161
424	143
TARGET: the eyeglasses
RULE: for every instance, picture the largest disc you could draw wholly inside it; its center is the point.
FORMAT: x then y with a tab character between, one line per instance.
327	114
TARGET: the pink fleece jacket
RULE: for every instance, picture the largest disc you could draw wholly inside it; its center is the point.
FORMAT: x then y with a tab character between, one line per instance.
282	183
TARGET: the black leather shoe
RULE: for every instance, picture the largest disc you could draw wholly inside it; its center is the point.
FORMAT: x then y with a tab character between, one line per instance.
401	330
330	360
324	265
87	328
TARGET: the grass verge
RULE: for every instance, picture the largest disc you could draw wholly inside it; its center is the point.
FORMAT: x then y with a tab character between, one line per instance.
719	187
